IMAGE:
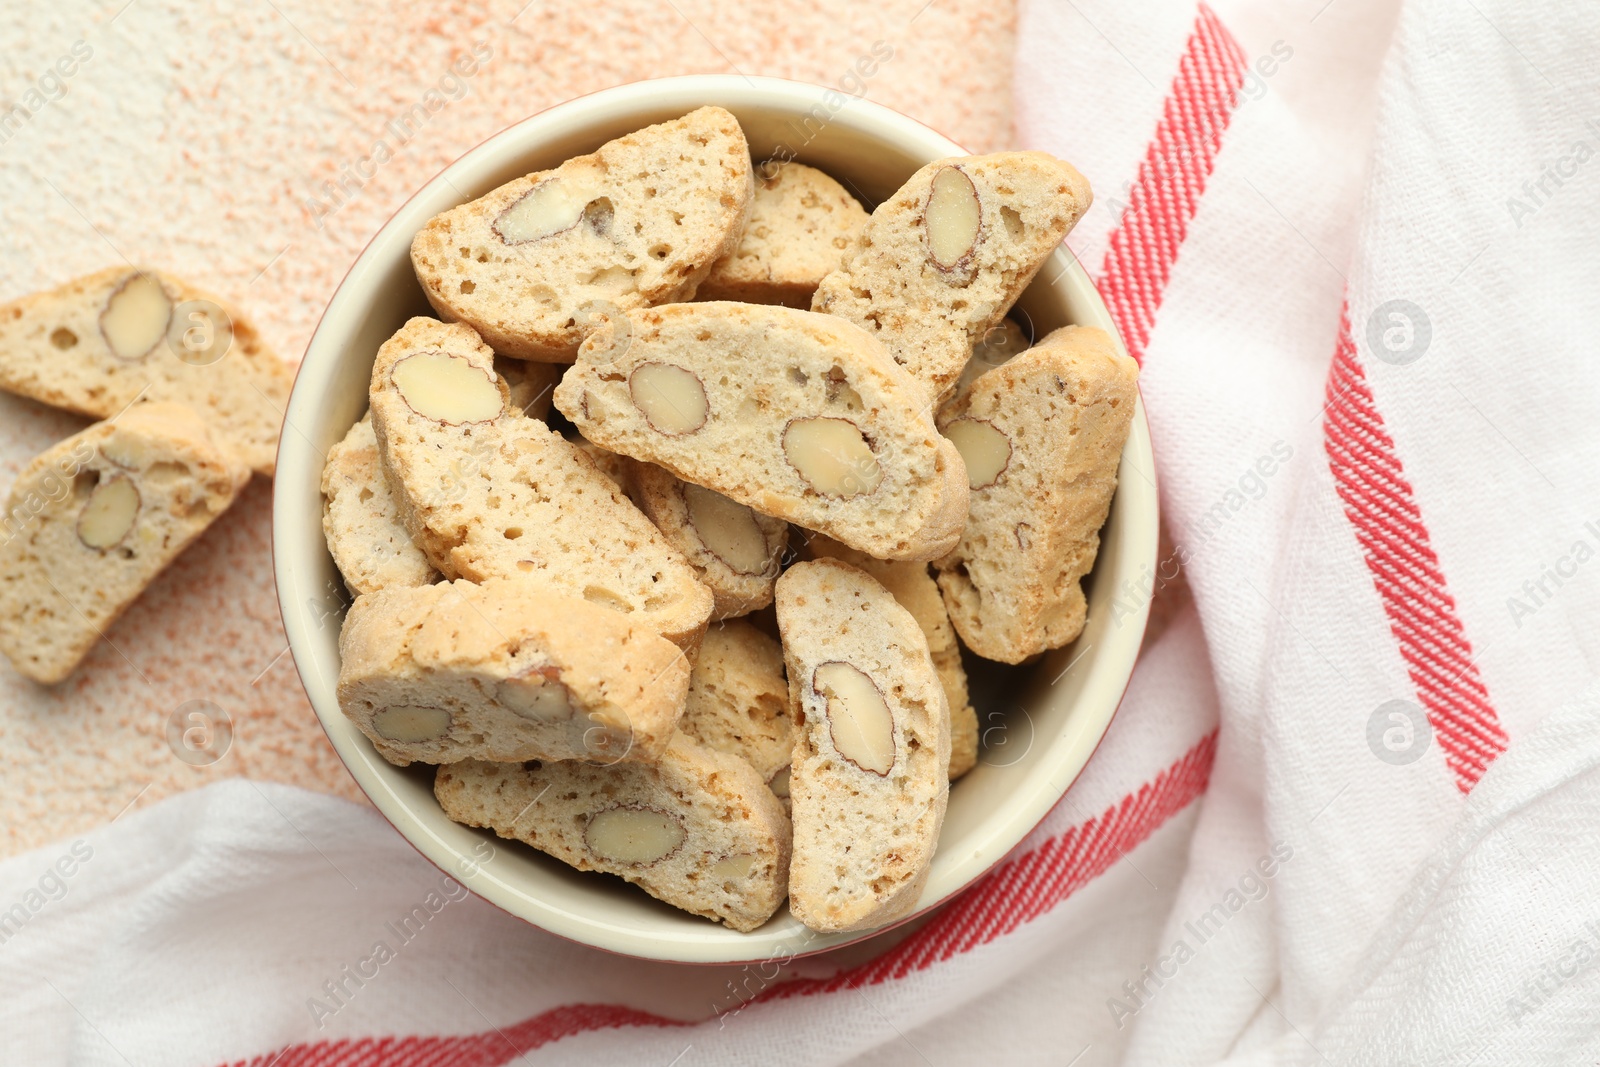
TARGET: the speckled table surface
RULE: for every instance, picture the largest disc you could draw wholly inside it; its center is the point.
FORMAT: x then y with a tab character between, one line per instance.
236	144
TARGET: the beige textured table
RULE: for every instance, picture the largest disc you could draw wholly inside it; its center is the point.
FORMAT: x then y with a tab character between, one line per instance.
239	145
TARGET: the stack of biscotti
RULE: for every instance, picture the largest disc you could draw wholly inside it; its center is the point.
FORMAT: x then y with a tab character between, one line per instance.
763	398
191	401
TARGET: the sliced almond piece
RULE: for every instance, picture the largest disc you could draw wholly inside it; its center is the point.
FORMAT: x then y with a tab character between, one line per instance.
951	218
409	723
672	399
734	868
984	449
832	456
537	695
727	529
136	317
447	389
780	783
633	835
109	513
858	718
553	207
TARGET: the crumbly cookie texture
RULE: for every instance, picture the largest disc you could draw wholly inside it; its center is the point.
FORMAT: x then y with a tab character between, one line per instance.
738	700
914	589
943	260
801	223
487	493
1042	436
698	829
735	550
869	785
533	264
997	345
800	416
93	520
511	669
361	521
99	342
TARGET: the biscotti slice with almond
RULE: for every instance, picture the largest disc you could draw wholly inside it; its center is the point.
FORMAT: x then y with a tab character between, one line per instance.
533	264
800	416
801	223
697	829
944	258
914	589
995	347
868	785
487	493
361	521
93	520
507	670
1042	436
739	702
735	550
102	341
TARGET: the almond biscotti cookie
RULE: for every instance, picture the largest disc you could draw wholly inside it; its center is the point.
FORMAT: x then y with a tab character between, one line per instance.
914	589
1042	436
533	264
868	785
997	345
734	549
102	341
738	700
801	222
697	829
800	416
93	520
361	521
507	670
487	493
943	259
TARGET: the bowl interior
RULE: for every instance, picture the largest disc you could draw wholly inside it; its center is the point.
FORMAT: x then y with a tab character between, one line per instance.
1039	723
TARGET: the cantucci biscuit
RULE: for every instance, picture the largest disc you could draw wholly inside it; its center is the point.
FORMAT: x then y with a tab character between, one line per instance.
613	466
532	264
93	520
531	385
738	700
800	416
801	222
369	543
869	784
997	345
506	670
103	341
734	549
944	258
698	829
1042	436
487	493
914	589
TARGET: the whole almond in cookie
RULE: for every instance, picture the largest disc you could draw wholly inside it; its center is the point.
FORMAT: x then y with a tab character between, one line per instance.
99	342
535	263
869	782
92	521
487	493
942	260
1042	436
697	829
800	416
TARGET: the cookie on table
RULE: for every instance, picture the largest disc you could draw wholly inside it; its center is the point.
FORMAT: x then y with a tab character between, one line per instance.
800	416
506	670
1042	436
532	265
531	385
93	520
997	345
486	493
735	550
868	785
99	342
801	223
361	521
698	829
914	589
944	258
739	702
